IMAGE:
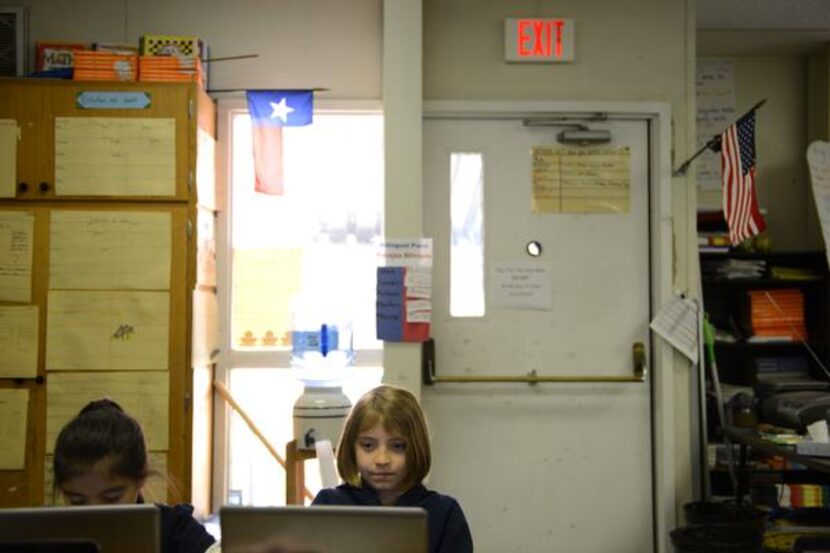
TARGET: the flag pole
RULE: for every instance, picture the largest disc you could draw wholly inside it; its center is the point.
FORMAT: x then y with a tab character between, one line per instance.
227	90
712	143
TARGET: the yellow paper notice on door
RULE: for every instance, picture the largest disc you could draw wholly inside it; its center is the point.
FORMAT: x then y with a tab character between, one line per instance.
570	180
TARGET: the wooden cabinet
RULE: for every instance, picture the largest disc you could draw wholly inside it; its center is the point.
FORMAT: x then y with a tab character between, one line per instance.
39	107
109	233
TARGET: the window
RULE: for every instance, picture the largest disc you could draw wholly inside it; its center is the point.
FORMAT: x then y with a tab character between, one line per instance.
304	257
467	239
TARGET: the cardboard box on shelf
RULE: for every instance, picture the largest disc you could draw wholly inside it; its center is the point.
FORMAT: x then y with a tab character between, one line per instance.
105	66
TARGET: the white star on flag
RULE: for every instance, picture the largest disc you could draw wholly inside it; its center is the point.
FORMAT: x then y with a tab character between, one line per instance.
280	110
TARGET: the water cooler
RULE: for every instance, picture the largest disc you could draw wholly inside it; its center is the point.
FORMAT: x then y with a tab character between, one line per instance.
321	357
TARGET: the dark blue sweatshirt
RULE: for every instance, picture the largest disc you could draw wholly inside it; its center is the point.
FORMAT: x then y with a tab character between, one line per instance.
180	532
448	529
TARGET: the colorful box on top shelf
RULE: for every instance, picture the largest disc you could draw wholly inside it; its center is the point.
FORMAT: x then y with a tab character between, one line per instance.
105	66
172	58
171	45
170	68
56	55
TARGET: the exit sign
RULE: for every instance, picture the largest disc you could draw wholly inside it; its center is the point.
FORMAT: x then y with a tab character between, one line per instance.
530	39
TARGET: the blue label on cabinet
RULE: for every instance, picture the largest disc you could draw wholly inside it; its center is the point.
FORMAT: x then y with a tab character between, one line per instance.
113	100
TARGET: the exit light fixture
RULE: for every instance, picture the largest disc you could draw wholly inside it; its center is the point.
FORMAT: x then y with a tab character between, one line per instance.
538	40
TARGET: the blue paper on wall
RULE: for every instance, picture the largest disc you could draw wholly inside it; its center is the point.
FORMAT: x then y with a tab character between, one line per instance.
389	307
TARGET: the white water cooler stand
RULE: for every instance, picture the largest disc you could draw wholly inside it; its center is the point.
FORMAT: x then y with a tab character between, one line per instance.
319	414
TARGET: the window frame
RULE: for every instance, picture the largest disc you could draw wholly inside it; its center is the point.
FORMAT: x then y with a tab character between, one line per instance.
228	358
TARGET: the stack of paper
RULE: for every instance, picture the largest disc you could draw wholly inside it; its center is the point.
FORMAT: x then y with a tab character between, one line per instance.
734	268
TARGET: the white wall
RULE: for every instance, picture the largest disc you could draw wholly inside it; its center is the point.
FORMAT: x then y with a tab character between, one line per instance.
781	140
334	44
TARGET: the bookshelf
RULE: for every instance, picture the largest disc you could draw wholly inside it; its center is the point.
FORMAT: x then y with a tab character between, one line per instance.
783	336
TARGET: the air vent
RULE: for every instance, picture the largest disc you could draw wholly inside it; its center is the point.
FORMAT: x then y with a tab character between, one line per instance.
12	42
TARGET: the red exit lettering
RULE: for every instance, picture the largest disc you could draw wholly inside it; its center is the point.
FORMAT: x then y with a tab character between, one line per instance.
539	38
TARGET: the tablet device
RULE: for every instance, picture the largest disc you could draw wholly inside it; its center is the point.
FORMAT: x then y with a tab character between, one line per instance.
112	529
323	529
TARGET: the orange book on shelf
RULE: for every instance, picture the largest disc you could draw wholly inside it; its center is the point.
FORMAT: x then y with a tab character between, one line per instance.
778	312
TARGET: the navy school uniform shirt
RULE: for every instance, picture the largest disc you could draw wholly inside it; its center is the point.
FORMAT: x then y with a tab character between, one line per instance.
180	532
448	529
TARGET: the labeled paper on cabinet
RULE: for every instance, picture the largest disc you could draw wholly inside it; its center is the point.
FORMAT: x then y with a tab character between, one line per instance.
14	410
18	341
142	394
115	156
105	250
17	230
9	135
107	330
570	180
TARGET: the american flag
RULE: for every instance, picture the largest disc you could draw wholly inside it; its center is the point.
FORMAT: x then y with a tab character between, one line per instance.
740	206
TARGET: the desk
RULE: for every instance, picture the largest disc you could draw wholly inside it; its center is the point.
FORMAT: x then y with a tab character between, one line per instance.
750	438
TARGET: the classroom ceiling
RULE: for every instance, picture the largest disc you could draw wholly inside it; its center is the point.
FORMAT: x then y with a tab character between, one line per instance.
762	27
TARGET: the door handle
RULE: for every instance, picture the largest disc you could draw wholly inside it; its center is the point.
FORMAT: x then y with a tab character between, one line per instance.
638	358
638	354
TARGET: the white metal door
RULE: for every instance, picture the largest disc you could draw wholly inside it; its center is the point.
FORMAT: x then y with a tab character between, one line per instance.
548	466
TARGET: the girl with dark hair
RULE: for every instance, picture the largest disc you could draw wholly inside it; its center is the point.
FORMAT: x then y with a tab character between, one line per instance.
101	459
383	457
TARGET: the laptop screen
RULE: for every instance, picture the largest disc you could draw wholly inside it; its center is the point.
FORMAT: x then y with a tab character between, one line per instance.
324	529
49	546
110	529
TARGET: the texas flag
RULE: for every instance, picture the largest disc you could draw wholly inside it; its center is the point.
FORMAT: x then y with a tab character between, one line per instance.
271	110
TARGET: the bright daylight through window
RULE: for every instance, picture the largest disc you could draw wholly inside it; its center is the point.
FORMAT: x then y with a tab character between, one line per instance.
307	255
467	240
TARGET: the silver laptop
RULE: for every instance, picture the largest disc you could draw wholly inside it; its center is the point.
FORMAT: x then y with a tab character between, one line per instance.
110	529
323	529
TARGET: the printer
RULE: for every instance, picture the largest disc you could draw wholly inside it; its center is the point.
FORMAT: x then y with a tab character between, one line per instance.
794	403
